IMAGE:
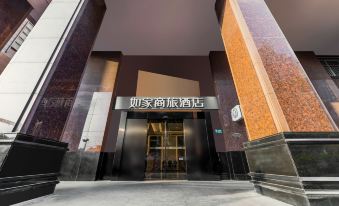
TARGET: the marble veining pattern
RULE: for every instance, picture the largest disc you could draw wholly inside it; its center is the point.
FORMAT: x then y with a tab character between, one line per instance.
298	100
290	88
258	118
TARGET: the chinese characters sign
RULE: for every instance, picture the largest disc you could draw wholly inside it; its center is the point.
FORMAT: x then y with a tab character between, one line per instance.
56	102
166	103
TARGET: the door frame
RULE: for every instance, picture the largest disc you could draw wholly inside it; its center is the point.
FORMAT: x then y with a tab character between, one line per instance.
208	174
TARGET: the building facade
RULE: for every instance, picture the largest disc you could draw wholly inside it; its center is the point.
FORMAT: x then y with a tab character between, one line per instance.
193	89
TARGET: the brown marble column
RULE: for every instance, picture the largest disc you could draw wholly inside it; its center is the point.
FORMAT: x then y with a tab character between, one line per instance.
12	13
49	114
293	147
274	91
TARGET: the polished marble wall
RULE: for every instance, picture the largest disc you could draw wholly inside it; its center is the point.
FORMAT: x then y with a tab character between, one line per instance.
273	88
324	85
12	13
258	118
234	132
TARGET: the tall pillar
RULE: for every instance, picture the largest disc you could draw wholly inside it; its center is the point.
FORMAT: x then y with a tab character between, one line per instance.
58	92
30	165
22	79
38	86
292	152
42	77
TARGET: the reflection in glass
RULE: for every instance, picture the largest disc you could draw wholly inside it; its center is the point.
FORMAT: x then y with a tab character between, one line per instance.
91	107
166	150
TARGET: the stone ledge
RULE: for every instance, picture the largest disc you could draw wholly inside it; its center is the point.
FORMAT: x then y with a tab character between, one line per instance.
29	168
297	168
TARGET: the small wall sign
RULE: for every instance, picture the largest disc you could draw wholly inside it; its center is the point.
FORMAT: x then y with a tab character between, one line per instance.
218	131
236	114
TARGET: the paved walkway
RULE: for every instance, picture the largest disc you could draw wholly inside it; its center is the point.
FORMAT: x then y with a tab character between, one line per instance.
154	193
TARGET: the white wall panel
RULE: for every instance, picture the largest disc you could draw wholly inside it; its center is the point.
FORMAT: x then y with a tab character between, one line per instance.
21	76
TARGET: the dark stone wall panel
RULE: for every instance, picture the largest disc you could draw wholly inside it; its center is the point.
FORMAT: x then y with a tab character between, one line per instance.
234	132
265	160
196	68
326	87
79	166
219	9
316	160
29	167
234	165
59	90
297	168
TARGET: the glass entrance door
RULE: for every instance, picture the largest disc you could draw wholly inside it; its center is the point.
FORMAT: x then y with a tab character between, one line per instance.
166	150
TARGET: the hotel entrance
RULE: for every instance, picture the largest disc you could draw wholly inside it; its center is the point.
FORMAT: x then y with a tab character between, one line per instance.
165	146
161	138
166	150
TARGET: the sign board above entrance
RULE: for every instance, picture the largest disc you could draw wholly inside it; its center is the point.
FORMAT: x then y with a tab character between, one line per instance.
166	103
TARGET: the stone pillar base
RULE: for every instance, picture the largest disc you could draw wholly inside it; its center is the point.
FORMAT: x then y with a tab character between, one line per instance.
29	167
296	168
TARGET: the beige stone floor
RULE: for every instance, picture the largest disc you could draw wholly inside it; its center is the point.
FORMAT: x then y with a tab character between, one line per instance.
149	193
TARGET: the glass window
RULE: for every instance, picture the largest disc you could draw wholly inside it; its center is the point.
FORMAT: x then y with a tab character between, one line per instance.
331	64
